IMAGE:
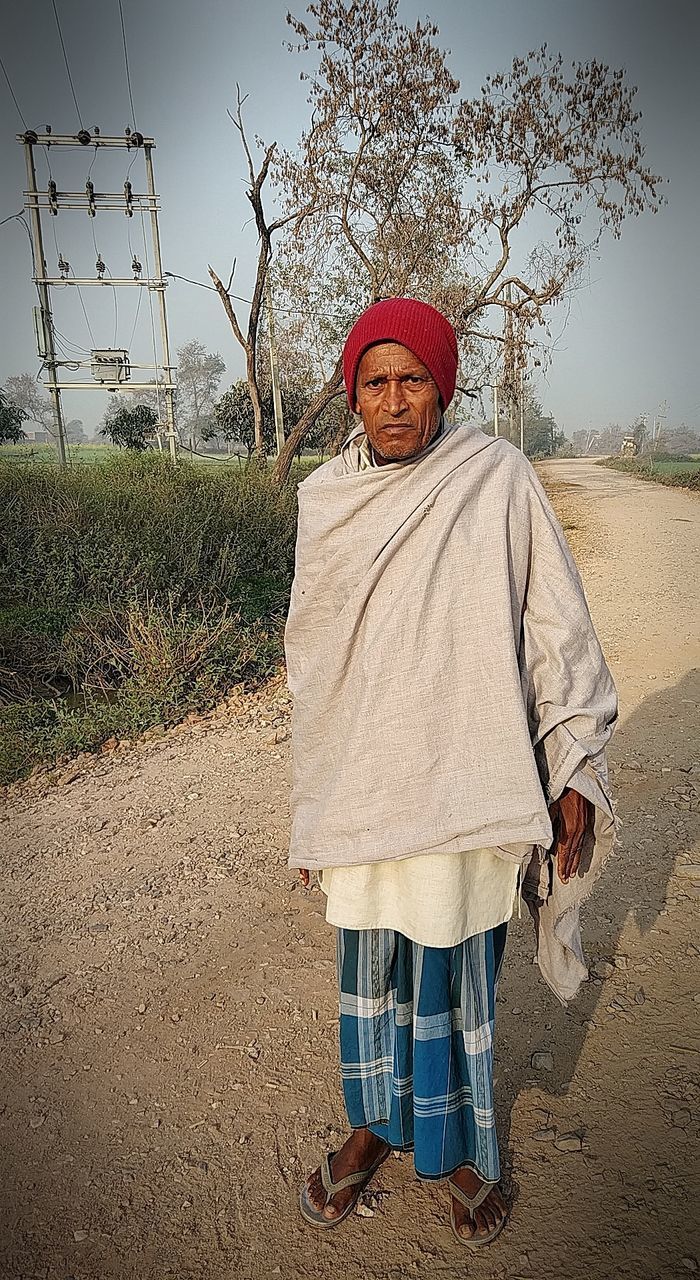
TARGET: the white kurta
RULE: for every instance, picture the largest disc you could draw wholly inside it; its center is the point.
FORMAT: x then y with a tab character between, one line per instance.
437	899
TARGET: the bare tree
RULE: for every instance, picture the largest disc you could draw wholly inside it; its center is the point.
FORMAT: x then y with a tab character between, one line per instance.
565	144
400	187
410	189
266	230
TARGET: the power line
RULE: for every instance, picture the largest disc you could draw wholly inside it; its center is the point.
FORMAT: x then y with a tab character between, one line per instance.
290	311
87	321
65	59
126	64
116	309
136	318
13	95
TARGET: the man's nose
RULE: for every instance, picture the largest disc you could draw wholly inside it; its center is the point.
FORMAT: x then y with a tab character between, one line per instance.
394	397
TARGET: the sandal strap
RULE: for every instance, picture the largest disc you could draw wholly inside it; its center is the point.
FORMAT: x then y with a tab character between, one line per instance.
352	1179
471	1202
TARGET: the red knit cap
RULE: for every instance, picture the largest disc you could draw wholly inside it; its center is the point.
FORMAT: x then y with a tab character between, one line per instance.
415	325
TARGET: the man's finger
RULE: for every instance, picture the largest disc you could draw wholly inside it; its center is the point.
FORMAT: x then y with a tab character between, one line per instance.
304	876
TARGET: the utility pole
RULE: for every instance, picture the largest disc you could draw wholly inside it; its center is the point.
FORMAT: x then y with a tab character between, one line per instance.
522	411
49	351
158	272
111	368
510	357
274	370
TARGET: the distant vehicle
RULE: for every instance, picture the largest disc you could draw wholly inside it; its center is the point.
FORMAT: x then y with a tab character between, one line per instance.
629	448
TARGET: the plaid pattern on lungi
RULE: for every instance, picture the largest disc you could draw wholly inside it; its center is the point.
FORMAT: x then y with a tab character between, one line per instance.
416	1045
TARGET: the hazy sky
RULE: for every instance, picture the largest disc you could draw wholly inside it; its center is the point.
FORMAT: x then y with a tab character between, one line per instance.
631	341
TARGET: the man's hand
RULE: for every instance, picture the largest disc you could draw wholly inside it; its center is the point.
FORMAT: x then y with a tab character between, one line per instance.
304	877
570	816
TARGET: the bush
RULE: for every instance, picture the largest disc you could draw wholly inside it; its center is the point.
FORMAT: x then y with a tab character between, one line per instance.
140	589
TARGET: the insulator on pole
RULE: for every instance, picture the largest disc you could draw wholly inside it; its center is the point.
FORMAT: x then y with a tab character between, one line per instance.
63	266
53	198
100	266
90	192
128	196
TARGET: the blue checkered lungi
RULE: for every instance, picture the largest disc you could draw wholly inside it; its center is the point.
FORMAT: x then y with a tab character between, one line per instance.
416	1045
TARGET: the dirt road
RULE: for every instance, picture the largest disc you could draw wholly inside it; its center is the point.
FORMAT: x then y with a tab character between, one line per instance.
169	1014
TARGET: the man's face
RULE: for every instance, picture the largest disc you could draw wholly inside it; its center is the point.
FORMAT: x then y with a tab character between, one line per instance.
398	401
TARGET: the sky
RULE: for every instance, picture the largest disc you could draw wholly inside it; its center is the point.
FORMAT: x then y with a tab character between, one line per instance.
630	342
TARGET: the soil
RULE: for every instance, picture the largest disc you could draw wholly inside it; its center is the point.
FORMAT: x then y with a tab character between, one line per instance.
168	996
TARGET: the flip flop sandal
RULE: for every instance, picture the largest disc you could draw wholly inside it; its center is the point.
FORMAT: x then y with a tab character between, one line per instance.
472	1203
359	1180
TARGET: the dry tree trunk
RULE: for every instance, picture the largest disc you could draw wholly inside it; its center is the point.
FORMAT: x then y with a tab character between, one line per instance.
282	467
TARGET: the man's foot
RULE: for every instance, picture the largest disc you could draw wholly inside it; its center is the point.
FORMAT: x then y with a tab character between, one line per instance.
359	1152
490	1215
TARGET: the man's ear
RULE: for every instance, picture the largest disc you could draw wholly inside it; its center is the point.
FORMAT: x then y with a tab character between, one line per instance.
357	408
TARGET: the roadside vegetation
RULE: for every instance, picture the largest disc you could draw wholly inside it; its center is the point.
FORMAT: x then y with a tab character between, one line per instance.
133	592
683	473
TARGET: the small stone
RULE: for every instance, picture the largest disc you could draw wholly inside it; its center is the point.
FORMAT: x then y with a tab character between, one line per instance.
569	1142
79	1236
690	869
542	1061
364	1211
99	928
545	1135
681	1118
314	1015
516	1012
36	1122
174	1017
602	969
142	1008
639	996
689	1263
621	962
133	1102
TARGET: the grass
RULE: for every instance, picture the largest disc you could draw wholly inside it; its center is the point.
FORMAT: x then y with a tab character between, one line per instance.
132	592
680	472
45	454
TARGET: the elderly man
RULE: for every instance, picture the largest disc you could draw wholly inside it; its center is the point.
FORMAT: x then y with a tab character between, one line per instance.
451	712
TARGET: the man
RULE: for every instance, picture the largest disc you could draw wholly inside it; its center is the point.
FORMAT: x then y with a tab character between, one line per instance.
451	712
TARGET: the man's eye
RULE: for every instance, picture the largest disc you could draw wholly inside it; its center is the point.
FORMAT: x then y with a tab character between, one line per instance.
374	383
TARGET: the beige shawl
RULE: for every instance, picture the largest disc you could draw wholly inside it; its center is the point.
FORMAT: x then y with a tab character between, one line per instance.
447	680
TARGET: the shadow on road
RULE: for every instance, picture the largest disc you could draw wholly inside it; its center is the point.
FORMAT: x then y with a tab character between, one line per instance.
663	732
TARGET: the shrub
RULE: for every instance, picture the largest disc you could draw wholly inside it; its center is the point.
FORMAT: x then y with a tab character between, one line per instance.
143	589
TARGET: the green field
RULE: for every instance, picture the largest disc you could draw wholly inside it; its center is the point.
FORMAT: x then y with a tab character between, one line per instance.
674	466
682	473
80	454
45	454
